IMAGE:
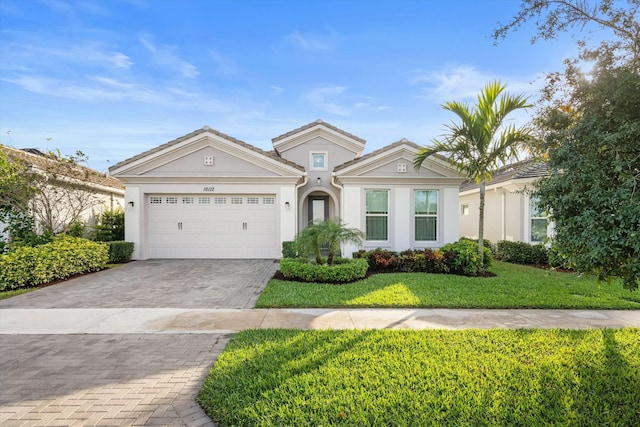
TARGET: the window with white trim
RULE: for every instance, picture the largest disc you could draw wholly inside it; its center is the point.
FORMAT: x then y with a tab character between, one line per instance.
425	215
204	200
537	220
377	214
236	200
268	200
318	161
253	200
220	200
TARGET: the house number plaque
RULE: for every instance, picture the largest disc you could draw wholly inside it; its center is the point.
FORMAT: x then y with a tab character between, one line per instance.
209	189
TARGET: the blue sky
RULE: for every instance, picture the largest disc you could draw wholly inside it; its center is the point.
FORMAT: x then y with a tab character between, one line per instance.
114	78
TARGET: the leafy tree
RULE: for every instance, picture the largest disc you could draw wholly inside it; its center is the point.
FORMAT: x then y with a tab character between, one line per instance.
17	188
589	134
615	18
63	194
330	234
481	141
593	191
16	184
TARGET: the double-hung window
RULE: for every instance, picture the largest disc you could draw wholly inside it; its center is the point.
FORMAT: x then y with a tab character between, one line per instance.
377	214
538	221
426	215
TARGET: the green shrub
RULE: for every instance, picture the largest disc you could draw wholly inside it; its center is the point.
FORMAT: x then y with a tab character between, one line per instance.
65	256
343	270
289	250
382	260
458	258
557	259
422	261
120	251
110	226
486	243
76	229
521	253
462	257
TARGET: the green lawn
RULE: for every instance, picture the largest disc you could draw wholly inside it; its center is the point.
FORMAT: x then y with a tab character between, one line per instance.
431	377
14	292
515	286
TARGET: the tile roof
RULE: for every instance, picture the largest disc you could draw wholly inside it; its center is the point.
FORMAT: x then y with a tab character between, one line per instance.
270	154
403	141
529	168
389	147
44	161
318	122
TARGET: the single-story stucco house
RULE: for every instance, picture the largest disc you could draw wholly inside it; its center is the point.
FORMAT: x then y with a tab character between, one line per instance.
72	191
209	195
510	212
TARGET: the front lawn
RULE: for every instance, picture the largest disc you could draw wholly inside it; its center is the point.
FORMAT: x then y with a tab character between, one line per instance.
430	377
514	286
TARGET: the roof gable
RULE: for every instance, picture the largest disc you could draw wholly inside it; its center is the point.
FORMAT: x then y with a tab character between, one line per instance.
185	156
317	129
396	160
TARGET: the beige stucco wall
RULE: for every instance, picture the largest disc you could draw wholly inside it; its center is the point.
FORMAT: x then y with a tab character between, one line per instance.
504	215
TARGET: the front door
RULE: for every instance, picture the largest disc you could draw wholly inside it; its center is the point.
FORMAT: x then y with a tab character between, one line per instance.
318	209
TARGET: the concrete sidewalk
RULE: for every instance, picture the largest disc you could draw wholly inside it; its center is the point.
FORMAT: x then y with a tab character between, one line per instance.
223	321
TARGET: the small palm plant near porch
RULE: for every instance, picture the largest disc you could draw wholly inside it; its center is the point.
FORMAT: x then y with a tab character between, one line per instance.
329	235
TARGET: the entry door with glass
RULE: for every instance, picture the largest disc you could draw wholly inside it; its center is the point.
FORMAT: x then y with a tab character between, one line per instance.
318	209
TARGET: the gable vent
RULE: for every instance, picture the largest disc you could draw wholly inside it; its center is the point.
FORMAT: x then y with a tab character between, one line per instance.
402	168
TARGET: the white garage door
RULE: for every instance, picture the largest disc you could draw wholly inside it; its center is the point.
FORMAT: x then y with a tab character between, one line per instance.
220	226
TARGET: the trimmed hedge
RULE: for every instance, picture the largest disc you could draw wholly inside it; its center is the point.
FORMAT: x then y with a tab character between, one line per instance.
64	257
289	249
458	258
306	270
522	253
120	251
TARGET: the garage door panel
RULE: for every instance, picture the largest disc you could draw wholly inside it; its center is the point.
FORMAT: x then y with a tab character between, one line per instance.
221	226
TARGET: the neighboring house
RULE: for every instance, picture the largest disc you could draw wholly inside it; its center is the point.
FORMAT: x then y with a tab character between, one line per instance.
71	189
208	195
510	212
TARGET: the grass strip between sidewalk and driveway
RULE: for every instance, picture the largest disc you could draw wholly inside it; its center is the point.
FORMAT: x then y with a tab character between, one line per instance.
514	286
431	377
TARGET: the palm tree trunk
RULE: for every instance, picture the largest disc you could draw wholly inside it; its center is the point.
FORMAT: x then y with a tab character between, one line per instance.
481	229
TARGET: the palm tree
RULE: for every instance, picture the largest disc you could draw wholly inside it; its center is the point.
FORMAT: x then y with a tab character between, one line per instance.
331	234
481	142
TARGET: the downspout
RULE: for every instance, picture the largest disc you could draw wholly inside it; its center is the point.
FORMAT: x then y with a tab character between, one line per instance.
305	180
339	187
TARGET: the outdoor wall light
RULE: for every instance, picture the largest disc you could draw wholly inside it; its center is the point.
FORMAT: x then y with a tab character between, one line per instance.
131	203
287	205
319	181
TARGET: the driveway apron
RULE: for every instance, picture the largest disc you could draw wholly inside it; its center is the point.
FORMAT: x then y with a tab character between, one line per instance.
122	379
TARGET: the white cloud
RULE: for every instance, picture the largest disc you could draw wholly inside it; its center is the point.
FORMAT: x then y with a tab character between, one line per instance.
276	90
223	65
165	56
334	99
319	98
464	82
50	54
312	42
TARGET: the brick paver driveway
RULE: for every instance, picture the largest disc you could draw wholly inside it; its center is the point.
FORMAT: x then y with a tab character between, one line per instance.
116	379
